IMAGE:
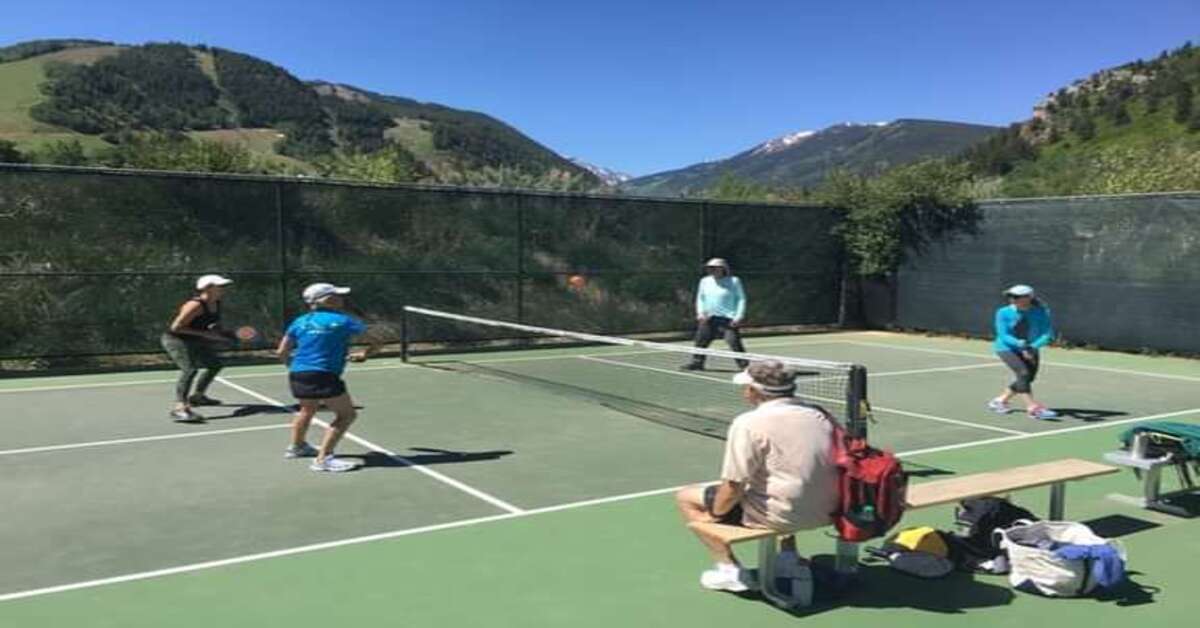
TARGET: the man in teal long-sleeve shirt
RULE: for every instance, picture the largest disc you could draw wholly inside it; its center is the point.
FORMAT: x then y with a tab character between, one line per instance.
1022	327
720	309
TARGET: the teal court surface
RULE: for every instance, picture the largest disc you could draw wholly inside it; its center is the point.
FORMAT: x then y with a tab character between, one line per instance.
485	501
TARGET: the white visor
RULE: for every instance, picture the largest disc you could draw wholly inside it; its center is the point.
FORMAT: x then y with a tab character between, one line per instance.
212	280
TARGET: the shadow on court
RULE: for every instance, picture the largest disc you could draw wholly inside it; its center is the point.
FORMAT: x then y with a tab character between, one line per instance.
1088	415
916	469
240	411
881	587
427	457
1131	592
878	586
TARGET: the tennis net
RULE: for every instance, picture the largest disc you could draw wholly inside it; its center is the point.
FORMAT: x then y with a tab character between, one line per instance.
637	377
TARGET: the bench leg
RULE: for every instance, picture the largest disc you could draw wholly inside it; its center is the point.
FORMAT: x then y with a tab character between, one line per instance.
1152	484
766	573
1058	496
1153	495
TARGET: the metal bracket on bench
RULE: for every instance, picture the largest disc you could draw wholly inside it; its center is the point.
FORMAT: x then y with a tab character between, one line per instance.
1149	470
1058	498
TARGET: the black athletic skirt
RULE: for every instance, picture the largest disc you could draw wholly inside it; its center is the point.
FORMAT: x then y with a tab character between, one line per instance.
316	385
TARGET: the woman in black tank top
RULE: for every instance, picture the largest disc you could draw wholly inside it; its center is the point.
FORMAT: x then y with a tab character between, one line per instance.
192	340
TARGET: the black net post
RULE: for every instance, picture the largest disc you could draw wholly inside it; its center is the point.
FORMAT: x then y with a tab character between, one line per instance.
857	407
520	280
281	242
404	334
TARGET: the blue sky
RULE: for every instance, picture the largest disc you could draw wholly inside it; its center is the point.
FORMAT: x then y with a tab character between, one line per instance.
658	84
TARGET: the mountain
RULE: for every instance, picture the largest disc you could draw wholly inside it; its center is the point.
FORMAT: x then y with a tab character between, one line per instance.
803	159
608	176
105	96
1129	129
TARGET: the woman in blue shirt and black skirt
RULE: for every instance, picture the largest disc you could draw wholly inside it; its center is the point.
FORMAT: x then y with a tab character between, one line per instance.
1023	327
315	347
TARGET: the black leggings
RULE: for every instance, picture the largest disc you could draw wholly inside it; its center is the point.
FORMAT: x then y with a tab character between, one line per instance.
712	327
192	356
1024	368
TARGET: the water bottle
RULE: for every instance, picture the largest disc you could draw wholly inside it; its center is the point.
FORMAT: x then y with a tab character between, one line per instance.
846	559
802	587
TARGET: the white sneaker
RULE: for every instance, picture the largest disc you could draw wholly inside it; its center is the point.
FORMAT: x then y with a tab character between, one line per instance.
998	406
332	464
1042	412
303	450
724	578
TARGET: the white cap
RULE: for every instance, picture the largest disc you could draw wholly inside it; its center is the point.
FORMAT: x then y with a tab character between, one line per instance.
717	262
1019	290
212	280
314	293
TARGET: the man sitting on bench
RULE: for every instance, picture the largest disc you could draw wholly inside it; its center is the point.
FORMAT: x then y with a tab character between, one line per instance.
778	471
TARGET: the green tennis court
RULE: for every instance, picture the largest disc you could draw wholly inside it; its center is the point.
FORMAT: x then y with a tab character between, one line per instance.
486	501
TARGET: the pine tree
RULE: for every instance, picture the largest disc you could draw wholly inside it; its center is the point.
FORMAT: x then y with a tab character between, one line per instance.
1084	127
65	153
1183	103
1120	115
9	153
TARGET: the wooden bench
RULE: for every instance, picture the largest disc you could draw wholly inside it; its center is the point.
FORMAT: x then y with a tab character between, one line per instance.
1055	474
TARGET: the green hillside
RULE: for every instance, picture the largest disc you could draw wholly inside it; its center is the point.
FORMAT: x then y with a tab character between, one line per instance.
21	77
1134	128
161	105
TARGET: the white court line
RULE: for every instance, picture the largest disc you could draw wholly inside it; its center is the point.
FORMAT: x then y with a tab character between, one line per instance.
281	373
940	419
1185	378
158	573
470	490
1065	430
135	382
360	369
915	415
146	575
139	439
941	369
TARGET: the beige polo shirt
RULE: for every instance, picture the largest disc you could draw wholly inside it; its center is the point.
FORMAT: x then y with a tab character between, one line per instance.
780	453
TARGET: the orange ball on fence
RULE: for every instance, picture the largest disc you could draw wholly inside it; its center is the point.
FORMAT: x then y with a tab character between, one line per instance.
246	333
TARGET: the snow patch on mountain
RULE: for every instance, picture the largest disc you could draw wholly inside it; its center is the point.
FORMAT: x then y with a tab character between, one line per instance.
780	143
607	175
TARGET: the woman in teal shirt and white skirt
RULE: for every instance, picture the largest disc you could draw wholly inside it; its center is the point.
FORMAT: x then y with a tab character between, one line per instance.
720	308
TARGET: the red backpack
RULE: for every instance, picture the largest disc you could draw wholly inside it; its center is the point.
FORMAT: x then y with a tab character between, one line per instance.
871	488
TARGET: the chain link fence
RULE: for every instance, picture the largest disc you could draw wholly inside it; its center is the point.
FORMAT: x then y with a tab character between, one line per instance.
1118	272
95	262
